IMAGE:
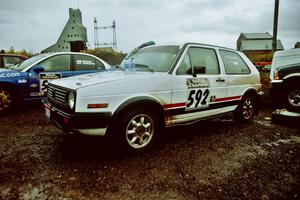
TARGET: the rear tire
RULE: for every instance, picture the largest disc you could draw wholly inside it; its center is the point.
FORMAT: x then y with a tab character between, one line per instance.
246	109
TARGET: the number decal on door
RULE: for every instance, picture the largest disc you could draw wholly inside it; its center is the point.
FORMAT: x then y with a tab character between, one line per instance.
197	98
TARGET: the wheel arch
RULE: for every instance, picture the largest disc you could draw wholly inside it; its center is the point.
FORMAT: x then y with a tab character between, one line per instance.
9	85
292	80
253	92
146	101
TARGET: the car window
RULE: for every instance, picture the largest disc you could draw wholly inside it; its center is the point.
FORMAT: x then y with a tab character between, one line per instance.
199	57
156	58
57	63
26	63
99	64
83	62
10	61
185	66
233	63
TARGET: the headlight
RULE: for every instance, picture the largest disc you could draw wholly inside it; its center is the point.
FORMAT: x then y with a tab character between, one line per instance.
71	100
276	75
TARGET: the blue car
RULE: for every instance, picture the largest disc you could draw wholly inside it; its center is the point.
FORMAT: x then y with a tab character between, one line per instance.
28	80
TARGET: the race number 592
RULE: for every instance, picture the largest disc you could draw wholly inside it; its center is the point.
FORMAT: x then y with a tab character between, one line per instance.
197	98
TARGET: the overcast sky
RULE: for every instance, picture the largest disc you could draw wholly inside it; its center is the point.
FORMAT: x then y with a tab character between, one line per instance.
36	24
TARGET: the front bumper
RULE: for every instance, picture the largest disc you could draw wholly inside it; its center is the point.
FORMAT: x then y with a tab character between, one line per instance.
85	123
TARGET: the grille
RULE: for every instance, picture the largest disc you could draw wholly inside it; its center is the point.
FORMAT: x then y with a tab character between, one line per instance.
57	95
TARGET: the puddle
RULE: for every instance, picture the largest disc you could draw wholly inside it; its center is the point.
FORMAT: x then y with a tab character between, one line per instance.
295	139
264	123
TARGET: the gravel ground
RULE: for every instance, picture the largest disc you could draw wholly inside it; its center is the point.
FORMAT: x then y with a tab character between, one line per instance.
214	159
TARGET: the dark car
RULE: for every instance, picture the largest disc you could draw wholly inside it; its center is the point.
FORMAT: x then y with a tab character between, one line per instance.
28	80
285	79
8	60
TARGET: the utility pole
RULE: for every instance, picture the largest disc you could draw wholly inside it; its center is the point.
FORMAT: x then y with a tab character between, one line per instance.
96	41
275	26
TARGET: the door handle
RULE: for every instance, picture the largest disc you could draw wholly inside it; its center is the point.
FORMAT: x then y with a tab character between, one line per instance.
220	80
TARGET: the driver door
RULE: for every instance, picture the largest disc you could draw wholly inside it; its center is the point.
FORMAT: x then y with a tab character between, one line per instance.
197	83
58	66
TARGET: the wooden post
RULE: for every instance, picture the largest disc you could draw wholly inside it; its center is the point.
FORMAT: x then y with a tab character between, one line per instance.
275	26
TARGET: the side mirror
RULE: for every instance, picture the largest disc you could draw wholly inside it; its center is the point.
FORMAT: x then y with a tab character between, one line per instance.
199	70
38	69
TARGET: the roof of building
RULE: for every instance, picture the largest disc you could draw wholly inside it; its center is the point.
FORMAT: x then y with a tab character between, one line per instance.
248	45
257	35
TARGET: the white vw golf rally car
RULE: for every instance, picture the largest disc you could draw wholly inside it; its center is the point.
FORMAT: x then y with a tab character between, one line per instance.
156	86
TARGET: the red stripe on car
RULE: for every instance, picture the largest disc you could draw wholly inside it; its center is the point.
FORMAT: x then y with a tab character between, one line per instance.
228	98
174	105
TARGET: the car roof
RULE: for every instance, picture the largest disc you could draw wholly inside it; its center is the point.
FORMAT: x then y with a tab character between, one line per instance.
181	44
50	54
65	52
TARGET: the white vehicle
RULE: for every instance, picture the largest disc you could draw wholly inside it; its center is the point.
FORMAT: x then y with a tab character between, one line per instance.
169	85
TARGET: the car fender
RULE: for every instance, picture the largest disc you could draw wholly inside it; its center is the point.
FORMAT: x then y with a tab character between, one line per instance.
138	100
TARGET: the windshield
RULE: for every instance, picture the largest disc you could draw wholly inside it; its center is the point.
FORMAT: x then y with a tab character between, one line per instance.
154	59
28	62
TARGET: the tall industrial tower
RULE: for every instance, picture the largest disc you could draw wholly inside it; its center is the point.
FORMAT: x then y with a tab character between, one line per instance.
114	35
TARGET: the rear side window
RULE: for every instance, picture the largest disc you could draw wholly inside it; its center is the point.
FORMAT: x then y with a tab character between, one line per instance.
233	63
83	62
57	63
99	64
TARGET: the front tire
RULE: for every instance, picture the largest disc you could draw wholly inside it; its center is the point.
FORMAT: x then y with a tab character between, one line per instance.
138	130
7	99
246	110
293	99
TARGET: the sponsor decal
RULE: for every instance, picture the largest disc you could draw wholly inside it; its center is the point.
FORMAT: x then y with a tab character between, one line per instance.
212	98
197	83
10	75
50	76
85	62
22	81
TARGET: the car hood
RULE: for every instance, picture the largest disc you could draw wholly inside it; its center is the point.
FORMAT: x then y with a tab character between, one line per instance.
81	81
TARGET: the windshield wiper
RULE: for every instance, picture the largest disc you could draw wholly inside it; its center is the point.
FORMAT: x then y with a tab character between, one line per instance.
144	66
